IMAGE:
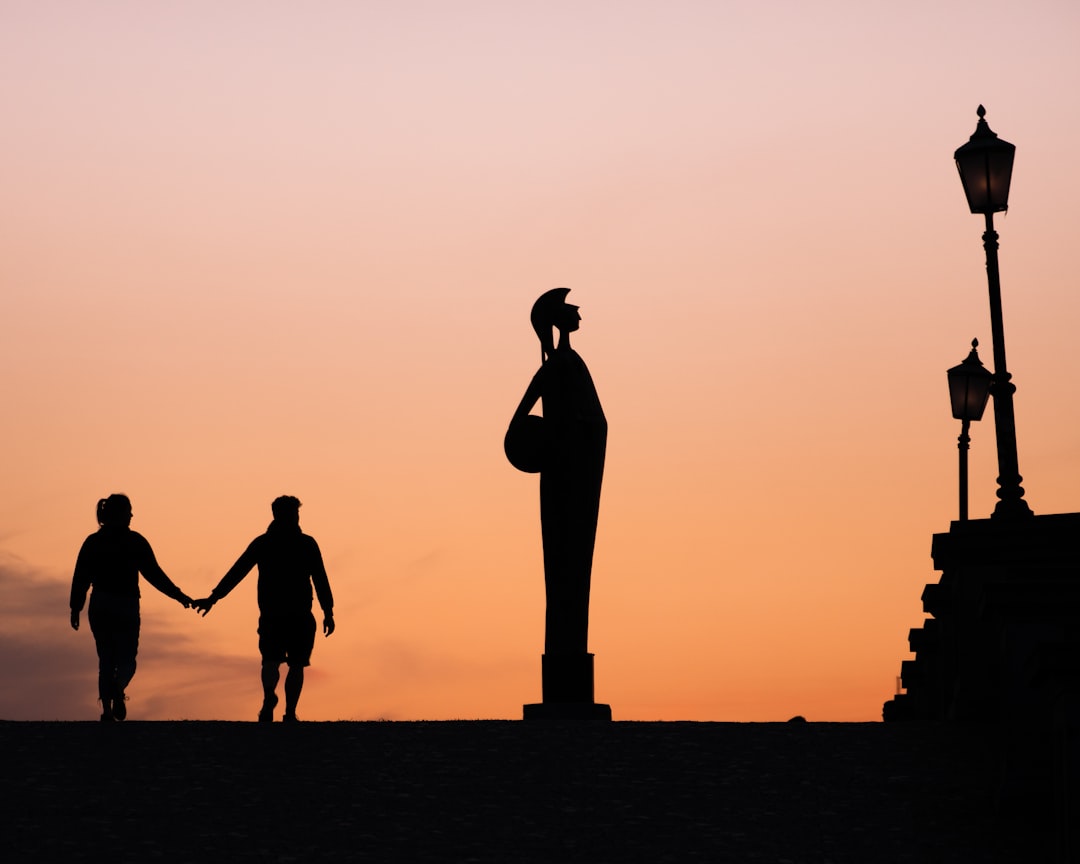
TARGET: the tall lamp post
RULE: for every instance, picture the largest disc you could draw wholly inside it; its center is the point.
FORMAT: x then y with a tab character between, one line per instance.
985	164
969	389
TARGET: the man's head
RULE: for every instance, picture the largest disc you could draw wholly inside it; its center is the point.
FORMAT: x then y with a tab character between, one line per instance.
286	509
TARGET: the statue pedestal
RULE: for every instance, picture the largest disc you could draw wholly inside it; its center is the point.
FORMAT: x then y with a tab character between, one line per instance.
568	691
569	712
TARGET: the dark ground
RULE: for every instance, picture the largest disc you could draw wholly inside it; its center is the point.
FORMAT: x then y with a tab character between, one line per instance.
506	791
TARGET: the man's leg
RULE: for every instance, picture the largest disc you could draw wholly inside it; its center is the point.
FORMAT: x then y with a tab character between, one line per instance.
294	683
270	676
301	641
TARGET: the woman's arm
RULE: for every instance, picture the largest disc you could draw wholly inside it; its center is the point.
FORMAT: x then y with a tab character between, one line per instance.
81	581
153	573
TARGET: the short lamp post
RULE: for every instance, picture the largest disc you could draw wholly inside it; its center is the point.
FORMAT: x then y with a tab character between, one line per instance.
985	163
969	390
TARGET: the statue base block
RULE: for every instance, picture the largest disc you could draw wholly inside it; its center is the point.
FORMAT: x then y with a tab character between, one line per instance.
569	712
568	691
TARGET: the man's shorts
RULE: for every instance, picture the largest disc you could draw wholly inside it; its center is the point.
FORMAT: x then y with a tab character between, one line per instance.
287	638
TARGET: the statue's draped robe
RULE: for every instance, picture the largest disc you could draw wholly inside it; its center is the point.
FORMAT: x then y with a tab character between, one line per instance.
575	433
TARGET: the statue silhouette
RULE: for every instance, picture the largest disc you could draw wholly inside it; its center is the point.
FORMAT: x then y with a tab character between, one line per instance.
110	560
289	562
566	446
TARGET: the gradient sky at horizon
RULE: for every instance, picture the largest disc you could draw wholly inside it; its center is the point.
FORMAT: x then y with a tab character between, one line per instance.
251	249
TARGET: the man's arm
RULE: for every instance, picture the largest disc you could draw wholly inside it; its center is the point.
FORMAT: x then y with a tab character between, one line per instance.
322	587
231	579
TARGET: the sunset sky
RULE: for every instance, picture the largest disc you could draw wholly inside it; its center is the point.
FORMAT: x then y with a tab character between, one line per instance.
261	248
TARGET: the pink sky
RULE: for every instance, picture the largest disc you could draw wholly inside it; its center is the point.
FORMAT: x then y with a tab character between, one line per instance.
251	249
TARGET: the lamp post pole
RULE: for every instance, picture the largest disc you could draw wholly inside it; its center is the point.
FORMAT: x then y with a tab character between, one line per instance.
969	390
963	445
985	164
1010	493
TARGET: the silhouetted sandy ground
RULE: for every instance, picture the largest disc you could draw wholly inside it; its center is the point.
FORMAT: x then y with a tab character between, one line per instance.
504	791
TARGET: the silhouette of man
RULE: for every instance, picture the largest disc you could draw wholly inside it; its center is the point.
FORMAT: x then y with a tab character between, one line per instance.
289	562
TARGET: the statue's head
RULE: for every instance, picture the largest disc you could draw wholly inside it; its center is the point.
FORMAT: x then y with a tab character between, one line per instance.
551	311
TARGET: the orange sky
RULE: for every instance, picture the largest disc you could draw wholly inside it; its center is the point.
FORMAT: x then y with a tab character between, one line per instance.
251	249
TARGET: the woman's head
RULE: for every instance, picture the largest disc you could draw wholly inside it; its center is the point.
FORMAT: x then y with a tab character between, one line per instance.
114	511
551	311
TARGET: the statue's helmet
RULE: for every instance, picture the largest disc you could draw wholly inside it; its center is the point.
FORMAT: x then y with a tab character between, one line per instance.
545	312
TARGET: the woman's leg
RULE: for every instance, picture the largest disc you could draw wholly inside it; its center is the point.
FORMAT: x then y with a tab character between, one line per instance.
114	622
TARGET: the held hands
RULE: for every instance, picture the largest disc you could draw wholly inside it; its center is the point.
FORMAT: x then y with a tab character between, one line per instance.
185	601
204	605
207	603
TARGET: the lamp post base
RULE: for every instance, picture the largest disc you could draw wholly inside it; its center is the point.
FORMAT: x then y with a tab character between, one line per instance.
1015	508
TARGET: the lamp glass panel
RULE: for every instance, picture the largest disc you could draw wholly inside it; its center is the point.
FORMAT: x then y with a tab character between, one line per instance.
969	391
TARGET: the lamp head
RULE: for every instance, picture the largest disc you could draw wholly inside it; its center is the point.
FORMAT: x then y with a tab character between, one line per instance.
985	164
969	386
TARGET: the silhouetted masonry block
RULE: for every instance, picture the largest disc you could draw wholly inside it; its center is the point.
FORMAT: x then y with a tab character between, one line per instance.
923	639
1006	613
909	674
935	600
1056	669
1013	588
1008	589
897	708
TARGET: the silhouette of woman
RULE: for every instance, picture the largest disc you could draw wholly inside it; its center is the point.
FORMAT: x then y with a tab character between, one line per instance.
111	560
567	448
